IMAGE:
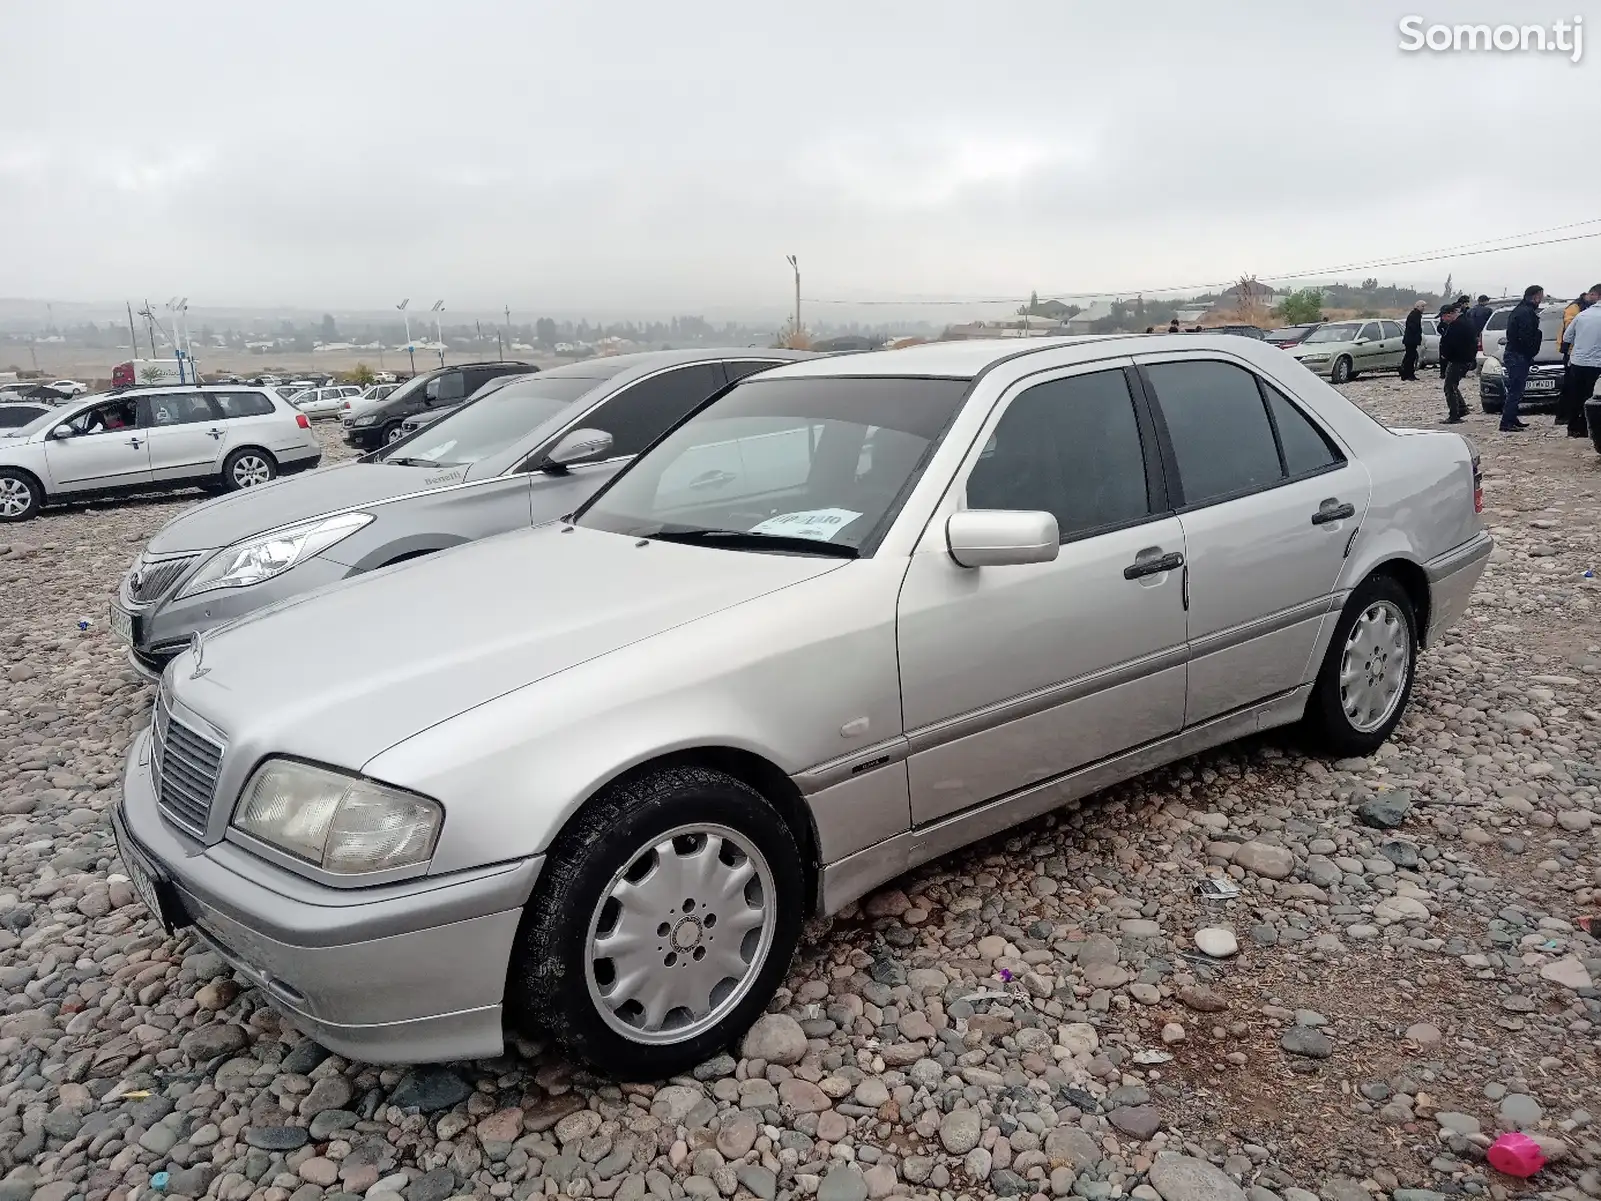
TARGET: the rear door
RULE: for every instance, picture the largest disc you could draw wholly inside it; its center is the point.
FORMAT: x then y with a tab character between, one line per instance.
1269	503
1393	350
186	435
249	419
1369	351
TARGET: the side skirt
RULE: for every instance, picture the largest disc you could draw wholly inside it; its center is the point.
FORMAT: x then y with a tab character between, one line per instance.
844	881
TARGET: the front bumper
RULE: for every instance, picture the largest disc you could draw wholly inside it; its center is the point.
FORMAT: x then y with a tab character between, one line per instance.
1452	577
1325	368
161	630
364	436
1492	393
400	973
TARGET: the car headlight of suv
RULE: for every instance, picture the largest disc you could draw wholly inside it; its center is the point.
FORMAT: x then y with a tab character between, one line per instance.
341	823
262	558
1491	366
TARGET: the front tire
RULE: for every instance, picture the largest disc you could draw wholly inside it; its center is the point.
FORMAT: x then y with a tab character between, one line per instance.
393	433
1365	683
667	914
20	496
1341	372
248	468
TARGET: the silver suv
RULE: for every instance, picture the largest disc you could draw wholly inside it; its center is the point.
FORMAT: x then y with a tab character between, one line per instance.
146	440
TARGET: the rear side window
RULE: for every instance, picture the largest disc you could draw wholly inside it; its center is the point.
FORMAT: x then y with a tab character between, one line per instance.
740	368
1550	324
1498	319
640	414
1306	450
179	408
17	416
1391	329
242	404
1222	440
1070	447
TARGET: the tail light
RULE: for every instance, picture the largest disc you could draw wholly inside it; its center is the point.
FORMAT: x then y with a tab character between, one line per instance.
1478	485
302	421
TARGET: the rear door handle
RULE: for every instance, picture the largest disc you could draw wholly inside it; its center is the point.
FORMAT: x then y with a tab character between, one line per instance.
1332	510
1153	562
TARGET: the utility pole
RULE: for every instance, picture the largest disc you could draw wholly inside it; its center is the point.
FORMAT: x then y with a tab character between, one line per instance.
795	266
411	352
508	331
439	332
133	336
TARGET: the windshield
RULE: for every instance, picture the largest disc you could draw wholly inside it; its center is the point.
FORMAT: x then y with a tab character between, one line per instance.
1290	333
785	462
492	423
1343	331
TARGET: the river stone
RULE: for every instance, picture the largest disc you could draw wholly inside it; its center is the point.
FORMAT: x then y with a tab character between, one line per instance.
1180	1178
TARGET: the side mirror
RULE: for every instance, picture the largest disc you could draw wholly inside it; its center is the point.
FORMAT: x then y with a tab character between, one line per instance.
575	445
61	431
1001	537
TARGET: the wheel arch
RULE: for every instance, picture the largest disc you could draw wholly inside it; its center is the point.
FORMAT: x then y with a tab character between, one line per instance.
249	446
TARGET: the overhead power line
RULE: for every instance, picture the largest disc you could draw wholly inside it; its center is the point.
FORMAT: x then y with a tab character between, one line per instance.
1466	250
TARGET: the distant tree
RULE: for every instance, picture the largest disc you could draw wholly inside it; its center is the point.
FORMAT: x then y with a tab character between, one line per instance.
545	331
1446	291
363	375
1371	284
1301	307
330	329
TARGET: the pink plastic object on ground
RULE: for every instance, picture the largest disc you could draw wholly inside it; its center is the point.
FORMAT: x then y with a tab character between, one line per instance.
1516	1155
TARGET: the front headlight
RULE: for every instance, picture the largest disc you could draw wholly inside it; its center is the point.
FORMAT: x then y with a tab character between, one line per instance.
368	419
1317	357
340	823
258	559
1491	366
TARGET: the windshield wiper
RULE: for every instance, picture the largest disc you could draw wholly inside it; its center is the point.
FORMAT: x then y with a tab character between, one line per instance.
402	461
744	540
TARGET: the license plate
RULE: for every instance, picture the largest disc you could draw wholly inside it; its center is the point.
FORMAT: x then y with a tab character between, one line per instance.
1541	385
121	624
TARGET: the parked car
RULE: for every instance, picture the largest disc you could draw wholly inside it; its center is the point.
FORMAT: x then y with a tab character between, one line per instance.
428	416
355	405
70	388
1343	350
14	415
1244	331
498	464
1429	351
43	393
376	424
1287	336
322	402
848	617
151	440
1544	386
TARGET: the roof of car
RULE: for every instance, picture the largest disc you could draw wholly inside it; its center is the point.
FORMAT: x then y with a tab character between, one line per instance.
606	366
955	360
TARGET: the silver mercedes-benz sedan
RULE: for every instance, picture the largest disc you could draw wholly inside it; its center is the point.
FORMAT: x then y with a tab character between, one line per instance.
851	615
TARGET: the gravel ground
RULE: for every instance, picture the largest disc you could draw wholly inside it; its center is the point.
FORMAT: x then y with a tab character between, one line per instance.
1402	977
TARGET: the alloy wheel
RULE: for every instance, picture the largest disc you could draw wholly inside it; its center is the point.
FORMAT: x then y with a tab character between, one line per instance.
16	498
1374	666
251	470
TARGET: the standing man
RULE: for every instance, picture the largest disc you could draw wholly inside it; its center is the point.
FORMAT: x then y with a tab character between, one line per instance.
1412	341
1584	364
1480	314
1565	401
1459	348
1522	345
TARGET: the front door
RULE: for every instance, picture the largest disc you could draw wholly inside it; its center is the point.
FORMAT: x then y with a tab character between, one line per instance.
1268	504
1013	675
107	449
186	435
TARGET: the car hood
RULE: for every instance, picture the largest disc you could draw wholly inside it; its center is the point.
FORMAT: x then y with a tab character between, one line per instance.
295	498
342	674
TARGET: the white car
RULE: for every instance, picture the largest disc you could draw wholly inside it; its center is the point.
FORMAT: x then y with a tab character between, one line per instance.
147	440
355	404
323	402
70	386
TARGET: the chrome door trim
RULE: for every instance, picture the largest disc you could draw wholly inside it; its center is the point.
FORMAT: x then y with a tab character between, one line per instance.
854	763
849	878
1261	627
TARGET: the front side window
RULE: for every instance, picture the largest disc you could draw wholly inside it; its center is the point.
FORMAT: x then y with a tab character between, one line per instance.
1370	332
179	408
108	418
1070	447
785	465
637	415
1219	429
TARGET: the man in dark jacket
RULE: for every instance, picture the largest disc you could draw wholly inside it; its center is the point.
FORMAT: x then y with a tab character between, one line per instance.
1481	314
1523	343
1411	340
1459	349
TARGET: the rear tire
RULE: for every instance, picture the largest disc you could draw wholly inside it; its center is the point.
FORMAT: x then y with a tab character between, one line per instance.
248	467
1365	683
689	973
20	495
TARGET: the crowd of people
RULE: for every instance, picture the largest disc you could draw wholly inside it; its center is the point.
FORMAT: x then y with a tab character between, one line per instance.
1462	322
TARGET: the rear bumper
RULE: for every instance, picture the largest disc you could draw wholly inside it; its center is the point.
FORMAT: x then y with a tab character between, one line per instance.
411	973
1452	577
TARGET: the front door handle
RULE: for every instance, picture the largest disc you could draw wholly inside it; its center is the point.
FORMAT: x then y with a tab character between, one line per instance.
215	433
133	442
1153	562
1332	510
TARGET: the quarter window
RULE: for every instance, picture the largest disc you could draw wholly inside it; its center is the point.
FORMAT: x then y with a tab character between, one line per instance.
1306	450
1222	440
1070	447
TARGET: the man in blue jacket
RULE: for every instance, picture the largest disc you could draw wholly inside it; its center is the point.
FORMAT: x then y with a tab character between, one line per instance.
1523	343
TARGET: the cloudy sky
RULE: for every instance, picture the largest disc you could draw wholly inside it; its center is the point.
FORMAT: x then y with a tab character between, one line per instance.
635	157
